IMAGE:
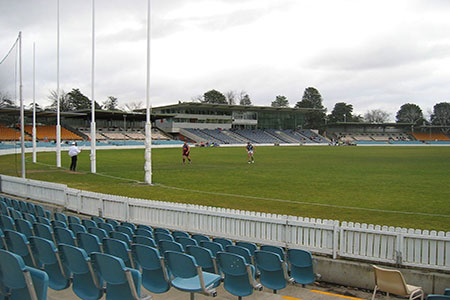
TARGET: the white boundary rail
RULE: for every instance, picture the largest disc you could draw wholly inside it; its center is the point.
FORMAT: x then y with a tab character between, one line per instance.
401	246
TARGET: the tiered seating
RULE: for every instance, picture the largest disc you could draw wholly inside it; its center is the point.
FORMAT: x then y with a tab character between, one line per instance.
220	135
313	136
136	135
10	134
420	136
48	132
115	136
258	136
201	134
85	253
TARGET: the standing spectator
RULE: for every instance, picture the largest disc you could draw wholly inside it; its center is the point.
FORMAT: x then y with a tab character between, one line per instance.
73	153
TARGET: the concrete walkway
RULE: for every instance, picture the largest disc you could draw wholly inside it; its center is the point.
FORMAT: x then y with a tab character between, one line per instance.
292	292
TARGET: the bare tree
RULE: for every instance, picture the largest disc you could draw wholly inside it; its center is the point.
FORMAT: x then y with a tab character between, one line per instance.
64	101
231	97
244	98
377	116
132	106
198	98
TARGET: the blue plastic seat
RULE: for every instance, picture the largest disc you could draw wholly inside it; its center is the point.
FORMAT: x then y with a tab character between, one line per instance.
24	283
120	236
302	266
86	283
161	230
154	273
14	204
60	217
22	206
106	226
31	209
75	227
244	252
214	247
25	227
88	223
122	283
15	214
2	240
250	246
40	211
47	254
143	240
112	222
169	246
239	277
89	242
129	225
223	242
273	271
43	220
74	220
125	229
3	208
18	243
200	237
161	236
274	249
176	234
186	241
97	219
29	217
7	223
64	236
43	231
437	297
204	258
56	223
146	227
100	233
143	232
119	249
187	276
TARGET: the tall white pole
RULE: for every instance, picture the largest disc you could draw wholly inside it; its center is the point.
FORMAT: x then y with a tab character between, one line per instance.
148	124
34	103
93	129
58	115
22	121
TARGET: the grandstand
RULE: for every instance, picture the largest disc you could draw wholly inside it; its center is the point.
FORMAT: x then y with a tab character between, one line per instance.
433	136
10	134
48	133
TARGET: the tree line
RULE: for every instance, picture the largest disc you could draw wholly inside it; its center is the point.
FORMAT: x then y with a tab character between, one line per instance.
342	112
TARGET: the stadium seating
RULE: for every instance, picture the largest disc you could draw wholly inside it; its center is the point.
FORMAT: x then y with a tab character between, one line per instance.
420	136
10	134
72	257
48	133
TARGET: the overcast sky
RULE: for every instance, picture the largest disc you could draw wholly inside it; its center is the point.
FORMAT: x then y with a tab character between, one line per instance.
373	54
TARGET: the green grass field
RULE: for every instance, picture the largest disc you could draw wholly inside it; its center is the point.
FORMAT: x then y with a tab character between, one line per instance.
397	186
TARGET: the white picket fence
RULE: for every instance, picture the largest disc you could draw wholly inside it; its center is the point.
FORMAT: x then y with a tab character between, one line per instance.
401	246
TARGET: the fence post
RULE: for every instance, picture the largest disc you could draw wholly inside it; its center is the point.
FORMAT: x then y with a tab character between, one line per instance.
399	249
336	230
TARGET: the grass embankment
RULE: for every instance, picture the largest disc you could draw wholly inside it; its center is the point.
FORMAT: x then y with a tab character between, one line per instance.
362	184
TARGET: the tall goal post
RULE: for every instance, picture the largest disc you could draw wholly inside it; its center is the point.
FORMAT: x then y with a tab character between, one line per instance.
148	124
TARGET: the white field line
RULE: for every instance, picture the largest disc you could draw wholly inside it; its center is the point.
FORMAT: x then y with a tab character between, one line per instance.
272	199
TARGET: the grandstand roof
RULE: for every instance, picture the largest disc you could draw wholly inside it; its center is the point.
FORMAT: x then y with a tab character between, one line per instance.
41	113
234	107
365	124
